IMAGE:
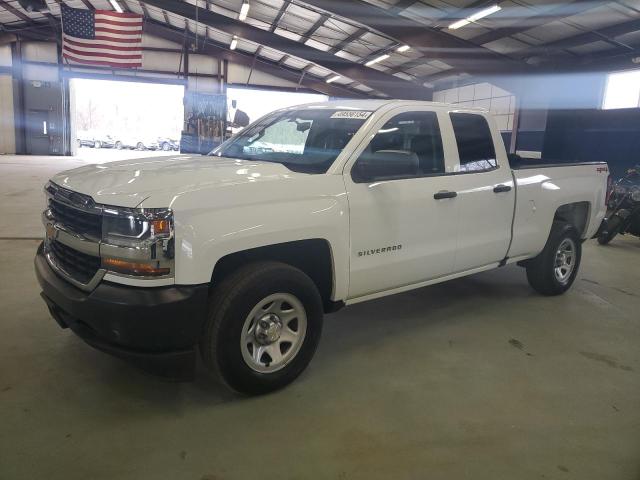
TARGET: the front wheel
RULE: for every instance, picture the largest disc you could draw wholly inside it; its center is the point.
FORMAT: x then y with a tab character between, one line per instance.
264	325
611	230
118	145
97	144
554	270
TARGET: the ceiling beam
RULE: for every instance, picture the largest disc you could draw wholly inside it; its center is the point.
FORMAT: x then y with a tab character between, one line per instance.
431	43
15	11
583	39
346	41
563	10
314	28
281	12
177	35
388	84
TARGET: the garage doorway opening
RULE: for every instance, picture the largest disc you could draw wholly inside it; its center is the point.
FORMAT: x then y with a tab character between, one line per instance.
246	105
116	120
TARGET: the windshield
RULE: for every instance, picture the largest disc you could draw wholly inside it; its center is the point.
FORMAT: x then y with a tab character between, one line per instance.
305	140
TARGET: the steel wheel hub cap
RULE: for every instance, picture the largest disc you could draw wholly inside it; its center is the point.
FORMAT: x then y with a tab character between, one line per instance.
565	260
273	332
268	329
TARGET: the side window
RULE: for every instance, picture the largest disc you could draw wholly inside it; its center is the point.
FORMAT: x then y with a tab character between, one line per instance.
409	145
475	144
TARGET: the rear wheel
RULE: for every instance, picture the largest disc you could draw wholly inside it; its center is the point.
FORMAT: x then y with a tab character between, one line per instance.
610	231
118	145
140	146
264	325
97	144
554	270
166	147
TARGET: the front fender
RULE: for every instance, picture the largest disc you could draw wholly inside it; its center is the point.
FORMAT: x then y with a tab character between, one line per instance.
212	224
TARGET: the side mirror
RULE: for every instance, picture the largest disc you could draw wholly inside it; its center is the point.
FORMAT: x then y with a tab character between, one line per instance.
385	165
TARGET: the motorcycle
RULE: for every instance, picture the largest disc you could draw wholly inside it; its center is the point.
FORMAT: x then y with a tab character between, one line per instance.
624	208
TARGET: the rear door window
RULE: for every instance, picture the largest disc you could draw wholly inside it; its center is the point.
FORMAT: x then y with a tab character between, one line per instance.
475	143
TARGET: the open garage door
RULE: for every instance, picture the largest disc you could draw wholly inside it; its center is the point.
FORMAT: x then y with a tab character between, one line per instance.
112	120
246	105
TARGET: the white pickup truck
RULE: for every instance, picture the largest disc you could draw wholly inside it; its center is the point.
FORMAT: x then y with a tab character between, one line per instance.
238	254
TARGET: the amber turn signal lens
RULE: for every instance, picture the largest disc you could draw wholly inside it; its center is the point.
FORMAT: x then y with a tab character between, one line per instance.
130	268
160	227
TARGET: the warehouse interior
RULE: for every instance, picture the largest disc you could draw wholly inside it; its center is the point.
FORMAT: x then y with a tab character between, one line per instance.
477	377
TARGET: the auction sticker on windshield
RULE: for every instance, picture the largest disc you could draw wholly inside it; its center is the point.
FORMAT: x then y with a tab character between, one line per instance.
352	114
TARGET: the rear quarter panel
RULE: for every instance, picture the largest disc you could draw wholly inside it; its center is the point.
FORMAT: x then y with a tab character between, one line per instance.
542	190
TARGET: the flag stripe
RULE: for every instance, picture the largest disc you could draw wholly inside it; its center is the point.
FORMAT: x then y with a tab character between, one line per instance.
106	40
92	44
111	13
103	53
125	25
110	63
119	31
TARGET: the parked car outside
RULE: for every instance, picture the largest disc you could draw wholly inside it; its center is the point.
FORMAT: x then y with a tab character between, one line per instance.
166	144
103	140
85	138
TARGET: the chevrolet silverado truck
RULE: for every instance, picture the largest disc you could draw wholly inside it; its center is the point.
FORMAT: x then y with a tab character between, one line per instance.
239	254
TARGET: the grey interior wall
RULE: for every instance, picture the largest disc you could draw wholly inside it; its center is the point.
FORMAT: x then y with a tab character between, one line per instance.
43	103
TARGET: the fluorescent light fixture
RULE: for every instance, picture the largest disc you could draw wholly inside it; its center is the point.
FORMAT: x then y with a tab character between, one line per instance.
334	78
377	60
116	6
476	16
244	10
403	48
234	43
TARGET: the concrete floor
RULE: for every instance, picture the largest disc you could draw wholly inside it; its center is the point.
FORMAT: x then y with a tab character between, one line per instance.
476	378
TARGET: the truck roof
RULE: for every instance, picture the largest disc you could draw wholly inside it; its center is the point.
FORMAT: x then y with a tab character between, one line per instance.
377	104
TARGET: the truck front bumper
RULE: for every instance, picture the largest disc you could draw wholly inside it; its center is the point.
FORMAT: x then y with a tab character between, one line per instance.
157	329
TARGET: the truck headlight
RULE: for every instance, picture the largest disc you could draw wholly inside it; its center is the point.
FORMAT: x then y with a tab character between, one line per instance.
138	242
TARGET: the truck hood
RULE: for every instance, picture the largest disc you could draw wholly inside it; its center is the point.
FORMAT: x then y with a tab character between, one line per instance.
128	183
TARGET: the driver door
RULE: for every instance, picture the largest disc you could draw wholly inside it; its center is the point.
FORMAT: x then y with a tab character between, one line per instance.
403	222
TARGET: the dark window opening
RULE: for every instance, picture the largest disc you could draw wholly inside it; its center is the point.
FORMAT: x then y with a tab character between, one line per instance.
475	143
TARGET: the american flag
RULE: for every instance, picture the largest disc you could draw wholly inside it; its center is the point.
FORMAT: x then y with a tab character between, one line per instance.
101	37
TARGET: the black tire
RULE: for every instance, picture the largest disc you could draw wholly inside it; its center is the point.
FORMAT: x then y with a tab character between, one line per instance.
610	231
230	306
541	270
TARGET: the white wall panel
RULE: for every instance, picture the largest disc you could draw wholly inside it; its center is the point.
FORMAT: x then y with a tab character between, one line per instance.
40	52
5	55
7	131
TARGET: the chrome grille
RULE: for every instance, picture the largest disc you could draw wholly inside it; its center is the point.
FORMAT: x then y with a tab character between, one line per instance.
76	220
78	265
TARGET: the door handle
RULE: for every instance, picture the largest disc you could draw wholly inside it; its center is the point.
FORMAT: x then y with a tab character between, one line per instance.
443	195
502	188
